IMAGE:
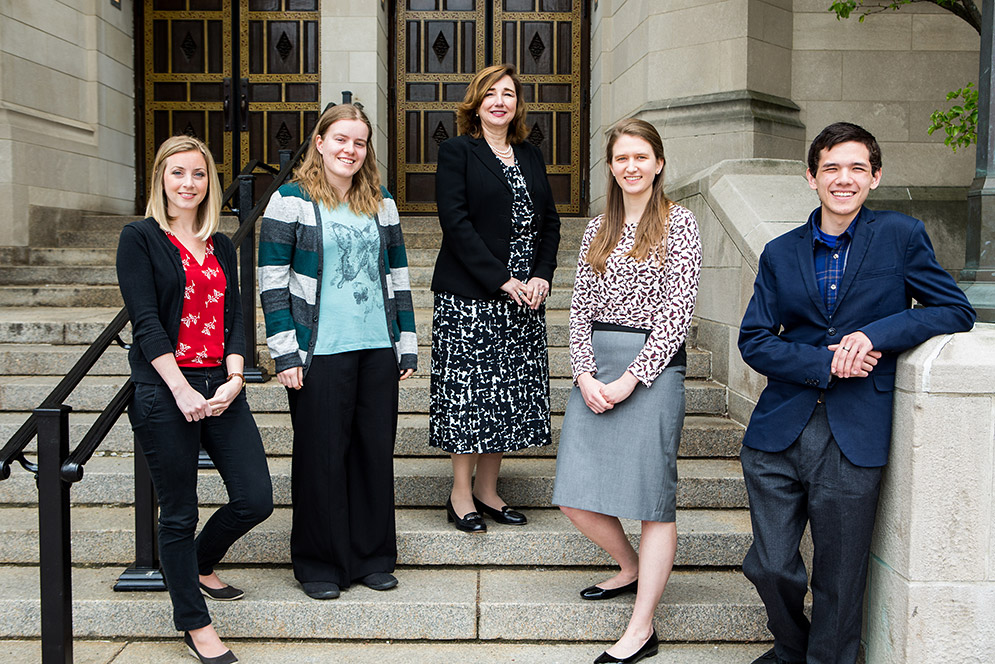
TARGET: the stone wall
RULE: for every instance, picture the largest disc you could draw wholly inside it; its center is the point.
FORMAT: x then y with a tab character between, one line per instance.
354	57
888	74
66	110
931	591
739	79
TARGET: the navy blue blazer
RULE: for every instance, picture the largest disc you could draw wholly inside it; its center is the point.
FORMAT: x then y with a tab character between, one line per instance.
786	330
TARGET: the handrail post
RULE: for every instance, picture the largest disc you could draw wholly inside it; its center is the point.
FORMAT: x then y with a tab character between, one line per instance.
247	269
145	574
54	537
285	156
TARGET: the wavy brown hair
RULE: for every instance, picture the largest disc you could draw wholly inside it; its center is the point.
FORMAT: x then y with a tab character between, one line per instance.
467	120
209	210
651	233
364	195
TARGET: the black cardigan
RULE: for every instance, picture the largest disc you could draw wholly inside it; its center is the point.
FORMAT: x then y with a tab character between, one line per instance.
152	280
475	201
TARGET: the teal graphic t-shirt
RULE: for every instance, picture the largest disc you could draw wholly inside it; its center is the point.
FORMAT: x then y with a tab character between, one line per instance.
351	310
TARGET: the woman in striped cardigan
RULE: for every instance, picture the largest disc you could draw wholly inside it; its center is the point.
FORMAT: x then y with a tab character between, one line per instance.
333	280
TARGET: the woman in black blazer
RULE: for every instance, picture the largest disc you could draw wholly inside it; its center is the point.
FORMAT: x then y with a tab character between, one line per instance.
500	234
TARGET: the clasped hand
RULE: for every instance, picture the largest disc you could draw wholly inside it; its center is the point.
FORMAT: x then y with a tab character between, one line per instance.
854	356
599	396
531	294
195	407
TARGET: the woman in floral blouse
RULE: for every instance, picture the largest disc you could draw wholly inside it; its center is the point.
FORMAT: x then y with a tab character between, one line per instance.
179	281
637	279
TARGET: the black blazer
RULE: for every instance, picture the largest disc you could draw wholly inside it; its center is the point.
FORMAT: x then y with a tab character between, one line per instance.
475	201
152	283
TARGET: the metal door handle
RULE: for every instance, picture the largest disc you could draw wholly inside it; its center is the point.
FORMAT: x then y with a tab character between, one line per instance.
226	105
244	104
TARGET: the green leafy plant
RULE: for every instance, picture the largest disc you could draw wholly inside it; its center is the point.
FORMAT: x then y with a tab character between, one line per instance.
960	122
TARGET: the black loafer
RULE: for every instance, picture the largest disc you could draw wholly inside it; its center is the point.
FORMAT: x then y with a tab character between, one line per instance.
597	592
770	657
227	657
505	515
320	589
471	522
226	594
379	581
648	649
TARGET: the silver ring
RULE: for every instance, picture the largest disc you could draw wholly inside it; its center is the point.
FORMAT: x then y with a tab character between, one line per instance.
845	349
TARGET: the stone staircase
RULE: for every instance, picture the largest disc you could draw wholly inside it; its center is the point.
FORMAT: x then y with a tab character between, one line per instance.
508	595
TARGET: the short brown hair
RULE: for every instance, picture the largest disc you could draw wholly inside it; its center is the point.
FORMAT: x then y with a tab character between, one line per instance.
844	132
467	120
209	210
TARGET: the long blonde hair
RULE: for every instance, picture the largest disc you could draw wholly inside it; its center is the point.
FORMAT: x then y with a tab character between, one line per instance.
467	120
651	232
364	195
209	210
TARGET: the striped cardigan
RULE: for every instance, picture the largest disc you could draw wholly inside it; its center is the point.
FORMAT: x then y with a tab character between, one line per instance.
290	257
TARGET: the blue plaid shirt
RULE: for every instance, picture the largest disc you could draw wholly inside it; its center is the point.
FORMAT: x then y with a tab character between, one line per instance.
830	259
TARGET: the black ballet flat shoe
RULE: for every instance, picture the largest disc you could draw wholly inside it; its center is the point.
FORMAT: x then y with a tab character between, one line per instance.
648	649
226	594
505	515
597	592
379	581
321	589
770	657
227	657
470	523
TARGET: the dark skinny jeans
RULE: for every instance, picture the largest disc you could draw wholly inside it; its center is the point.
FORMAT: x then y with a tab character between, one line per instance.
171	446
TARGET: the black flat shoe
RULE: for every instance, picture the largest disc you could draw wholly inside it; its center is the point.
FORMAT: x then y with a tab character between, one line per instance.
505	515
379	581
770	657
321	589
648	649
470	523
597	592
227	657
226	594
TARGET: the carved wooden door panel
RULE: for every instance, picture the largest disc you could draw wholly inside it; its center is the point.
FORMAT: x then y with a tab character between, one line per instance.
439	46
241	75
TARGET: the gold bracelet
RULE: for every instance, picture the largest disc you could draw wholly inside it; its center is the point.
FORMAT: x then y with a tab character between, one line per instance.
232	375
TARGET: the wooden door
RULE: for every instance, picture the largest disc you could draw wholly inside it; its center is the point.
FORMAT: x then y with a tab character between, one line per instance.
241	75
440	44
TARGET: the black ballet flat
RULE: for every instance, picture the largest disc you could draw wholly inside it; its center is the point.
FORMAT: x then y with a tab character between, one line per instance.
648	649
470	523
227	657
505	515
597	592
226	594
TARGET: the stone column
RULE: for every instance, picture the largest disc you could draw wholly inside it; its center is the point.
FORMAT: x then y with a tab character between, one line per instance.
931	594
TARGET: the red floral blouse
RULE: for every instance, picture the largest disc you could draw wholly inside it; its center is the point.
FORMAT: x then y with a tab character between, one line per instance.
202	336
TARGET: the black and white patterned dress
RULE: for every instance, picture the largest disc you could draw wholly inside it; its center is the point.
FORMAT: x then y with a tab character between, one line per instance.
490	370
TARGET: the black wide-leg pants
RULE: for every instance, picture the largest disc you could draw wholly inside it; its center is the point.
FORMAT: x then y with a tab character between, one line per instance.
811	481
342	479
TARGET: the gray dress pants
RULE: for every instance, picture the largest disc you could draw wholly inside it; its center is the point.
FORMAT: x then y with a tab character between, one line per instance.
811	481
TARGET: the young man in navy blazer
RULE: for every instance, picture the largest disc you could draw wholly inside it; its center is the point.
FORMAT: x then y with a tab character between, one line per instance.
830	313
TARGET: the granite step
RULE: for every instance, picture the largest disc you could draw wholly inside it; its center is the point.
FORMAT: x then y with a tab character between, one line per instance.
60	296
436	604
418	482
55	360
388	652
33	275
72	256
105	536
23	393
703	436
81	325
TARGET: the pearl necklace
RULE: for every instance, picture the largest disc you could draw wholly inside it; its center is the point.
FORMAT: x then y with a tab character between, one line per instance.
504	154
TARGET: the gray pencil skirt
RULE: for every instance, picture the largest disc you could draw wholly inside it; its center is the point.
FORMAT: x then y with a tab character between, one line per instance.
623	462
